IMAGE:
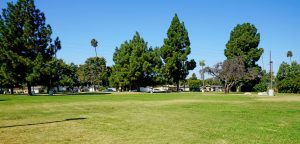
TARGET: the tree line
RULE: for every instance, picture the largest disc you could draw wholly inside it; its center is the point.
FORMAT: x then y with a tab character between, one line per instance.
28	58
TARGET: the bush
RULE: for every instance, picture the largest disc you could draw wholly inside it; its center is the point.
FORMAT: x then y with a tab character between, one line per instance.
289	86
260	87
194	85
102	88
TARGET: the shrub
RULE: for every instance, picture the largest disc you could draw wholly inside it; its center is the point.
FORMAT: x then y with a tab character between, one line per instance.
260	87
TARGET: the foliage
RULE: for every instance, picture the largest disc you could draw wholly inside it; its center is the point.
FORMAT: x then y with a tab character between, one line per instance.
288	78
24	38
194	85
93	72
175	53
136	65
94	44
193	77
264	81
212	81
231	72
260	87
289	55
53	73
244	41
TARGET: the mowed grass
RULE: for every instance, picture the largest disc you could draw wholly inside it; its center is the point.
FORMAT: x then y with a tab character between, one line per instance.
150	118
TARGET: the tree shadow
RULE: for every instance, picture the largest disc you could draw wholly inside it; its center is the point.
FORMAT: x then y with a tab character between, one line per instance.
42	123
88	93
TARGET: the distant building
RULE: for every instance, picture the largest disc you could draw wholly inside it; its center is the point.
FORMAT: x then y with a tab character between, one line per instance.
214	88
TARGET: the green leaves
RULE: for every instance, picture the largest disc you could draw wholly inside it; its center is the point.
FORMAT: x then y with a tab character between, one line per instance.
93	72
244	41
25	42
94	44
175	52
288	78
135	64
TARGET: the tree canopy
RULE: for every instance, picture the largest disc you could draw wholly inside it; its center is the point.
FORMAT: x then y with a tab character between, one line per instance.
244	41
288	78
231	72
175	51
94	44
135	64
289	55
24	38
93	72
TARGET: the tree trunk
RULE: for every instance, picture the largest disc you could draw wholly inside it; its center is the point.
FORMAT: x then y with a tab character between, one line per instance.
96	52
48	89
177	84
226	89
12	90
202	78
29	89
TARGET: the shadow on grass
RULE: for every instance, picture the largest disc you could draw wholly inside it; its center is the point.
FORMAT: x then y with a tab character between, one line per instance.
87	93
73	94
42	123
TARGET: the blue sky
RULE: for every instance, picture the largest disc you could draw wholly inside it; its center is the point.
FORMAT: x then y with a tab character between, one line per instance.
208	22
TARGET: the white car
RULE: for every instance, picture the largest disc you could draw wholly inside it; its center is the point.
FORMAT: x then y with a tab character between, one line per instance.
156	91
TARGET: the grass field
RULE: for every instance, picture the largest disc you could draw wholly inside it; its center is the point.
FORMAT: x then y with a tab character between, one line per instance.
150	118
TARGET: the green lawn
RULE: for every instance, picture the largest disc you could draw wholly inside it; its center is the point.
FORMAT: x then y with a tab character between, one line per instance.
150	118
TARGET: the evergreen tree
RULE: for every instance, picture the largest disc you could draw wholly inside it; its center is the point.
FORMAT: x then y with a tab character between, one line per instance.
175	53
244	41
135	65
93	72
193	77
288	78
24	38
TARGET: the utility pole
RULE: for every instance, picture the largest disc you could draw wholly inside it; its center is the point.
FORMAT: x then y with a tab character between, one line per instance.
271	91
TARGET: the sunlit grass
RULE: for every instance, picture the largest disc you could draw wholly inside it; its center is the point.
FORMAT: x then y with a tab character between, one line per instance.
150	118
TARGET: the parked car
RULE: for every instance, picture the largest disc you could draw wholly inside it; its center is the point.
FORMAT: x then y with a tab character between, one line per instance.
156	91
110	90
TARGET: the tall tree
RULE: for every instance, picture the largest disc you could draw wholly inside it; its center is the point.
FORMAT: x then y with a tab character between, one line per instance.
135	64
93	72
175	52
94	44
193	83
202	64
56	46
289	55
288	78
193	77
24	36
244	41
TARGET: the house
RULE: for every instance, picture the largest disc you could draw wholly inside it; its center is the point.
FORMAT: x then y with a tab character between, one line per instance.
214	88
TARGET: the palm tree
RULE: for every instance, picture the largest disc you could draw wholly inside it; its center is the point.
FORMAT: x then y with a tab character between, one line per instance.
202	64
290	55
94	44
